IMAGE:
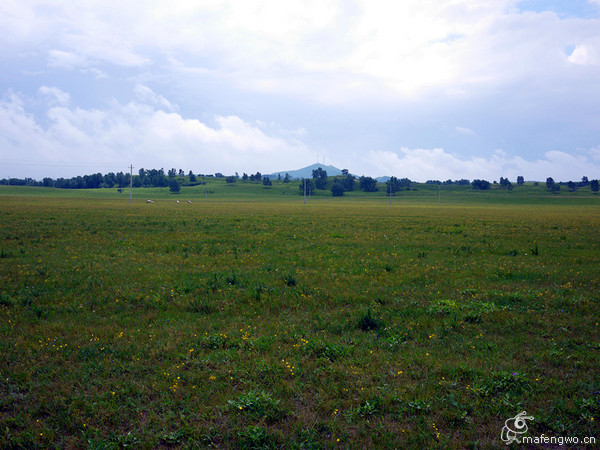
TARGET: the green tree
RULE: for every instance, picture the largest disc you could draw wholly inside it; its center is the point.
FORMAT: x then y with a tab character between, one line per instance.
192	177
368	184
266	181
594	185
480	184
310	186
174	186
320	177
520	181
550	183
348	182
337	190
394	184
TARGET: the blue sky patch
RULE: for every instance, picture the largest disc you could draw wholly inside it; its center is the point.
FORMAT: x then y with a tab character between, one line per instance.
569	50
563	8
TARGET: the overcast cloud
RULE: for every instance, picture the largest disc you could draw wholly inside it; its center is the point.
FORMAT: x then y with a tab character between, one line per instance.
419	89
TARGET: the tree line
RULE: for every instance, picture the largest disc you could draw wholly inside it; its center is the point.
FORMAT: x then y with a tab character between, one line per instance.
143	178
347	182
320	180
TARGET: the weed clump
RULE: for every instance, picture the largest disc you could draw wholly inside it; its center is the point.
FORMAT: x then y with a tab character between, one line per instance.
200	305
258	404
6	300
290	280
232	280
368	322
535	249
256	436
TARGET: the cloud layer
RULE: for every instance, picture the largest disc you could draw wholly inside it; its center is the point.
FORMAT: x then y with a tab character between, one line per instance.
137	132
217	84
437	164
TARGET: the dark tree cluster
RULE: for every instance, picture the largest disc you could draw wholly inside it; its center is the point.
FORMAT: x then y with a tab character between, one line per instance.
461	182
342	183
144	178
94	181
552	186
337	189
175	178
255	177
320	177
394	184
480	184
368	184
505	184
308	184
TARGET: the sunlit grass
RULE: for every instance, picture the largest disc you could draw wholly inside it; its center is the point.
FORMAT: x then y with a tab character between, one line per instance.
233	323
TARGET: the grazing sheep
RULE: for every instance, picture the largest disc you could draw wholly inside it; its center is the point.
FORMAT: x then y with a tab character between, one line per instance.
149	201
189	201
177	201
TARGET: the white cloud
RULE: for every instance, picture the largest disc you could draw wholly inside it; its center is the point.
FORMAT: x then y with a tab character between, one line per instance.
147	95
432	164
354	73
149	136
584	54
65	59
329	50
142	134
466	131
55	94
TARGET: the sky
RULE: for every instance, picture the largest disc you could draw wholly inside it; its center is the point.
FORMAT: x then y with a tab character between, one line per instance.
419	89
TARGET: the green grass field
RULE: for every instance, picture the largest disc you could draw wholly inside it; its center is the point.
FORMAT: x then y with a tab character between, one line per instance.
248	319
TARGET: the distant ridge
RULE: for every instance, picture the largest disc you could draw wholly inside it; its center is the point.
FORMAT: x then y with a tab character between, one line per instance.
306	172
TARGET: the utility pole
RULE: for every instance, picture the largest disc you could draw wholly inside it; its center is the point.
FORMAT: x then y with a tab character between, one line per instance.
131	183
305	191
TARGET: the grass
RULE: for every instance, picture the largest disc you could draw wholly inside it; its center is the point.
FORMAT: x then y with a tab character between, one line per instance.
255	321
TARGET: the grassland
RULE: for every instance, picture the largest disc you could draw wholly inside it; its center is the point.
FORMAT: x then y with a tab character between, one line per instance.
247	319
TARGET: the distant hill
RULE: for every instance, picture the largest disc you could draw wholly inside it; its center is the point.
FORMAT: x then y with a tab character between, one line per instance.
306	172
